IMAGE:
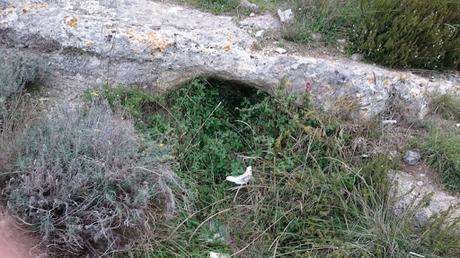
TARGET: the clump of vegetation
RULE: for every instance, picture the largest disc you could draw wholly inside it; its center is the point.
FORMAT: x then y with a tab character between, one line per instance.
87	184
15	74
326	17
443	153
307	197
216	6
416	33
17	105
447	105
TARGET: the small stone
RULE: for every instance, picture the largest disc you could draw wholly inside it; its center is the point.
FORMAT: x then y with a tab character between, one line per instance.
285	16
420	183
357	57
252	14
250	6
259	33
412	157
457	125
280	50
316	36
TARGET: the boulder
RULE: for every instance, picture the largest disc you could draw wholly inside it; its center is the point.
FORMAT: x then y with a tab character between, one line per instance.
159	46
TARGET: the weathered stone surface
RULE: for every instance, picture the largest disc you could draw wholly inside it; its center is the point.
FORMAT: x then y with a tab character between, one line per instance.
409	191
261	22
158	46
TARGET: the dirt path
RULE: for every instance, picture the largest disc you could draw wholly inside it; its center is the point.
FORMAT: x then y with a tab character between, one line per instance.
15	243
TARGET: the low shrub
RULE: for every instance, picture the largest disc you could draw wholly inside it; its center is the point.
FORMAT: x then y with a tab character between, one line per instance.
88	185
18	107
15	74
409	33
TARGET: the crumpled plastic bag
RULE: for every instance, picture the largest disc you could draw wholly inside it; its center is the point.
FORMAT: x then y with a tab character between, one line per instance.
242	179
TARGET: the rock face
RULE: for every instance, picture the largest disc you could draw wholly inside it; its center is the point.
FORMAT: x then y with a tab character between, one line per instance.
410	191
159	46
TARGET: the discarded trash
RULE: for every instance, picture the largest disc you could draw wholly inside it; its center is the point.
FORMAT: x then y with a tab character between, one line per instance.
389	122
280	50
218	255
285	16
259	33
243	179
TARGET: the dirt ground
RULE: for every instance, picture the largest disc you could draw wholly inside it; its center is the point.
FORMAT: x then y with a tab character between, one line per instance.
14	242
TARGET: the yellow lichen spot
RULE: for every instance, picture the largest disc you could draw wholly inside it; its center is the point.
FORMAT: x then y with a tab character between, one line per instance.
155	41
371	78
228	45
33	6
90	44
386	82
94	93
71	21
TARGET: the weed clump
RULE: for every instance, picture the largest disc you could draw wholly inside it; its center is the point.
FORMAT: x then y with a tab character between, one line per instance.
87	184
443	153
216	6
448	106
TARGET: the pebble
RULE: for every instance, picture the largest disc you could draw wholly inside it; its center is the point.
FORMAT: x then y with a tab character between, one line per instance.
259	33
412	157
280	50
357	57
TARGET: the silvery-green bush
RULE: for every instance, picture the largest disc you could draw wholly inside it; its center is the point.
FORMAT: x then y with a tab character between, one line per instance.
87	184
15	73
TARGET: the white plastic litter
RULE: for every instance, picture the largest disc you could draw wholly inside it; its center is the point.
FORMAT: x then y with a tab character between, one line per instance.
243	179
218	255
285	16
280	50
389	122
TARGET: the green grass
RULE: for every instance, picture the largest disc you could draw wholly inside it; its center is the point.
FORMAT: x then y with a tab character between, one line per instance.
307	198
443	153
448	106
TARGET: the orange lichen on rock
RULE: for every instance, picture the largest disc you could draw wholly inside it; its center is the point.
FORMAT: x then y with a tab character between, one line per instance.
228	45
154	40
71	21
7	11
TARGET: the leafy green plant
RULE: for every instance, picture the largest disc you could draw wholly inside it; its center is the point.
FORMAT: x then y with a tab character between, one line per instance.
87	185
307	198
408	33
